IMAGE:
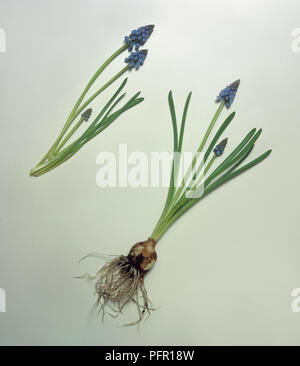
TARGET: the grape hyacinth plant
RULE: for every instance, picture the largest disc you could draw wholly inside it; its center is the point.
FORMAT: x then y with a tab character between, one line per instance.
60	151
121	280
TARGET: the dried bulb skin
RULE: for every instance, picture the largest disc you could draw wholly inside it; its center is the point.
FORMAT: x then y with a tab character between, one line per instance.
142	255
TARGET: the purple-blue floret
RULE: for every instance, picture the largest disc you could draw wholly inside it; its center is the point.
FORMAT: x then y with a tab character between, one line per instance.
136	58
138	37
219	149
228	94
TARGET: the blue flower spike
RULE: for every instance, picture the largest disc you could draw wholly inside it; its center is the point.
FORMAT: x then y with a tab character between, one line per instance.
228	94
219	149
138	37
136	58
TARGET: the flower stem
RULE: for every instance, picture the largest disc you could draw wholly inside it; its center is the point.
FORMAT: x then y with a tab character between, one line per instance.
97	73
211	125
120	73
69	135
75	112
56	147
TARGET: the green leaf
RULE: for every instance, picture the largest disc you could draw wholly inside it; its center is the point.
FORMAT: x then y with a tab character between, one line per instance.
191	202
174	122
186	106
230	175
104	109
220	131
241	160
226	163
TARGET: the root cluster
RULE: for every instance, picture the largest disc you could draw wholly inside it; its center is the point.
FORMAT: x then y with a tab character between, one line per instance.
117	284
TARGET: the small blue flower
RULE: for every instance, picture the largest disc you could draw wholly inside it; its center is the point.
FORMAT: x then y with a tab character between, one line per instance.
138	37
136	58
228	94
219	149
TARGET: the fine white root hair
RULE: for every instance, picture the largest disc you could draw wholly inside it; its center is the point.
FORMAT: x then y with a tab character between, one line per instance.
117	284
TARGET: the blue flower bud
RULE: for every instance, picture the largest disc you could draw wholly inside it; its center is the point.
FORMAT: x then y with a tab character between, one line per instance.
219	149
86	114
136	58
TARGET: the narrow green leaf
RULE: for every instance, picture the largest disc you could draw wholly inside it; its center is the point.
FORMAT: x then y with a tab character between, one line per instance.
109	119
218	134
174	122
191	202
230	175
104	109
244	142
241	160
186	106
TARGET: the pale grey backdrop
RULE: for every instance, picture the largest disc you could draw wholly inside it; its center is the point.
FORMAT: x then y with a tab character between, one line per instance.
226	270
